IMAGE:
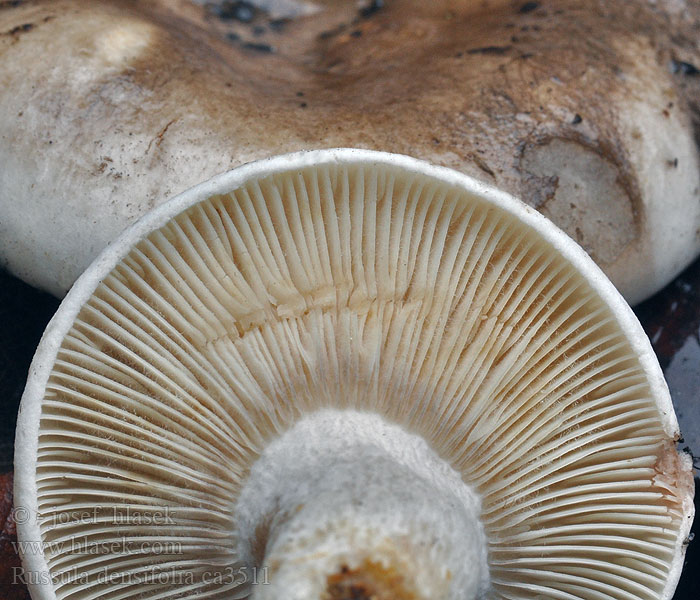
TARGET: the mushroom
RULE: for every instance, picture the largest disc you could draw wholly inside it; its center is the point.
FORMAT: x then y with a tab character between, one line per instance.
348	374
585	111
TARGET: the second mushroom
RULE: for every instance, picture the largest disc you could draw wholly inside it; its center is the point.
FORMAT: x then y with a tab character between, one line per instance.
586	111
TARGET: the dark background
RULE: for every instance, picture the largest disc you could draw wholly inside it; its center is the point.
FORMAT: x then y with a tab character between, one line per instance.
671	319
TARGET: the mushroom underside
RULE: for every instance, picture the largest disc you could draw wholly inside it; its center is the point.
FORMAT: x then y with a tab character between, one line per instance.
371	289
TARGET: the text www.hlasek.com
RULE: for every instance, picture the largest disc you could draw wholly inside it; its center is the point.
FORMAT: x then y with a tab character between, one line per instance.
83	545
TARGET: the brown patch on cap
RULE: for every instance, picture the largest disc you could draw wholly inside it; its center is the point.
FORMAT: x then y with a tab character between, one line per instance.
674	476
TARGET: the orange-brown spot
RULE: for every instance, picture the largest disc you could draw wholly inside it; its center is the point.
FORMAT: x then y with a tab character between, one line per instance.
371	581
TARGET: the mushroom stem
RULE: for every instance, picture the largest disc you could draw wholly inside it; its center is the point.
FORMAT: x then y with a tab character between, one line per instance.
345	504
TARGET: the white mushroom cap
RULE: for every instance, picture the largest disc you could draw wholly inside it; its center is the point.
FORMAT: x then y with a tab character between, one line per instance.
573	108
255	365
